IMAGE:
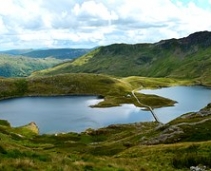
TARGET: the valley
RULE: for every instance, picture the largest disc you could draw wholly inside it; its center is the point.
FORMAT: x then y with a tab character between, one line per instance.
22	63
116	73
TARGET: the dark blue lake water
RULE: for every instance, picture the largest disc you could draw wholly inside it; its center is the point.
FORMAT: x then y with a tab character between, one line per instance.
73	114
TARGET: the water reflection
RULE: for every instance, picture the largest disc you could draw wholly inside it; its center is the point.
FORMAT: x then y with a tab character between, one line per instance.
72	113
65	114
189	98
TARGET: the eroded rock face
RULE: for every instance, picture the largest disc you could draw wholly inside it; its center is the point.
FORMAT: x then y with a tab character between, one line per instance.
32	127
168	135
206	111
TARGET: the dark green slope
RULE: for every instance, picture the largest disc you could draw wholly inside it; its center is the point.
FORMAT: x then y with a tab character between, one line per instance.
188	57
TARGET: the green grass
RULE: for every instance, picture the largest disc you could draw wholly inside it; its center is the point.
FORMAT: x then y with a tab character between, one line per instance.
193	155
115	91
116	147
4	123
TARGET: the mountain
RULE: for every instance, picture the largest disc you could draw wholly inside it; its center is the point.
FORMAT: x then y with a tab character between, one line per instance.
188	57
56	53
22	62
21	66
16	51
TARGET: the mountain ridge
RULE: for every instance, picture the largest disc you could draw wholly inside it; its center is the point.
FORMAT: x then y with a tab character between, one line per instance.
22	62
58	53
21	66
188	57
61	53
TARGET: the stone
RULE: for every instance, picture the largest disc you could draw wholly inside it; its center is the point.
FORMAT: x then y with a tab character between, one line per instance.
197	168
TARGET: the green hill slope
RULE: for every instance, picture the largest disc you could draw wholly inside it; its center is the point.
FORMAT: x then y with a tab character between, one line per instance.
188	57
23	66
115	91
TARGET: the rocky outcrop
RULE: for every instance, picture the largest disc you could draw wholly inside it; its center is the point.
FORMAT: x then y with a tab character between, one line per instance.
173	133
32	127
168	135
198	168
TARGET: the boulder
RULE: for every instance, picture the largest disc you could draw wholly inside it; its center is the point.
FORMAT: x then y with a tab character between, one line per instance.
32	127
197	168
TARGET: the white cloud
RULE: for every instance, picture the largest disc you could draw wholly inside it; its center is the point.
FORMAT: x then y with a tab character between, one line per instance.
92	9
3	29
40	23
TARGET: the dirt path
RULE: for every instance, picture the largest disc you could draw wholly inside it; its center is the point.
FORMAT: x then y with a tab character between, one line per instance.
148	107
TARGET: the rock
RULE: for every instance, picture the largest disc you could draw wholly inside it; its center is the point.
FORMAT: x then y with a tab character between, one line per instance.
168	135
197	168
32	127
89	131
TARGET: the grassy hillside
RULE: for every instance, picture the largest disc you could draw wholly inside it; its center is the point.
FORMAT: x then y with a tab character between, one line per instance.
115	91
188	57
23	66
175	146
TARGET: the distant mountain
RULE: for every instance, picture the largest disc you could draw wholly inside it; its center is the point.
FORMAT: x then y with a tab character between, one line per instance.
56	53
188	57
20	66
16	51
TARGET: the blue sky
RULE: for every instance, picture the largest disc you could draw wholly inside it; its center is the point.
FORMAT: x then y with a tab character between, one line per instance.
205	4
90	23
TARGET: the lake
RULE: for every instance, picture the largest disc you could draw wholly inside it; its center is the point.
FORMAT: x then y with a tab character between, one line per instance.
73	114
68	113
189	98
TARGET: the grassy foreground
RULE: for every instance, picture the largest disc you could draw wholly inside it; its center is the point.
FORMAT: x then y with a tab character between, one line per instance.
177	145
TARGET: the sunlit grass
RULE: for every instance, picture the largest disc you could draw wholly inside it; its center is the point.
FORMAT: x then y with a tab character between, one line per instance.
116	91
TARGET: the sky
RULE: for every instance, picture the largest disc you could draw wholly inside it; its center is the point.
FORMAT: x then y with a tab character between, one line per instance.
39	24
